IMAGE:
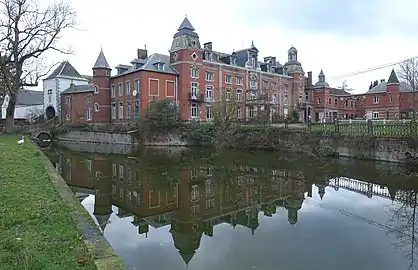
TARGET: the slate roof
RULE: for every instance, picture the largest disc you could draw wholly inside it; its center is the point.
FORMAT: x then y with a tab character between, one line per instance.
29	98
149	64
74	89
65	69
101	61
338	92
186	28
382	86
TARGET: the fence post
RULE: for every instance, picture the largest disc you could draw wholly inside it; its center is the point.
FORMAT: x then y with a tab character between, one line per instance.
369	127
336	126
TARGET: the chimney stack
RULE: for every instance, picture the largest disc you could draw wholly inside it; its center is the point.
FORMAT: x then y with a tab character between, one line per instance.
142	53
309	78
382	80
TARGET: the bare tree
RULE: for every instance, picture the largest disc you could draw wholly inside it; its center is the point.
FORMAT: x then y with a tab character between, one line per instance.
27	31
403	222
224	109
408	73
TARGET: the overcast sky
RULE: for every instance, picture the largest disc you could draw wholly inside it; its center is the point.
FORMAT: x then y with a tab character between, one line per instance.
338	36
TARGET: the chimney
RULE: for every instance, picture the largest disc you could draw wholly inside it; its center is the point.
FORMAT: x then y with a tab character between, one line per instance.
382	80
142	54
208	45
309	78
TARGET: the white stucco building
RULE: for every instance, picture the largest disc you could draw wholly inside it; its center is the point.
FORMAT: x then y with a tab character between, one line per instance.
29	104
58	81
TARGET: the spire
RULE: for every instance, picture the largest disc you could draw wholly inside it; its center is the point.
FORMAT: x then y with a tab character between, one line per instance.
393	79
103	220
101	61
186	25
321	74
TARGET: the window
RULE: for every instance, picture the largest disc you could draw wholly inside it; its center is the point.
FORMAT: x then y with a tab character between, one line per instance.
346	103
112	90
274	86
273	98
336	102
113	112
88	114
265	85
195	193
128	110
107	72
239	80
208	187
120	112
208	112
67	117
253	84
88	99
239	94
160	66
375	115
194	111
252	96
390	99
319	100
228	94
49	91
96	107
195	209
136	109
194	89
228	79
285	100
329	101
209	92
128	88
238	112
210	203
351	104
253	62
50	98
68	100
209	76
136	86
252	112
194	73
96	89
120	89
376	100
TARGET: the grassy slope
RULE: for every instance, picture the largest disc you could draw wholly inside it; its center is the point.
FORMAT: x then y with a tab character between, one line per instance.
36	230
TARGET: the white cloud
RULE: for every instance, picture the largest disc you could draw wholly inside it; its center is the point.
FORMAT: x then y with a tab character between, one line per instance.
123	27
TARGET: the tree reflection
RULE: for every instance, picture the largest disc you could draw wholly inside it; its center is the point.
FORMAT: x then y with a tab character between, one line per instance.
402	224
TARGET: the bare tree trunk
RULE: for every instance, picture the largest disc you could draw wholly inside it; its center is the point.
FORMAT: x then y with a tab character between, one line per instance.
10	113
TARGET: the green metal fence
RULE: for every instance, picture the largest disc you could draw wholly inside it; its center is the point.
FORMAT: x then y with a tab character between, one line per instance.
368	128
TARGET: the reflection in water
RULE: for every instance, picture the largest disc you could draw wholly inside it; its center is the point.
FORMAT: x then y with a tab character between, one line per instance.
193	192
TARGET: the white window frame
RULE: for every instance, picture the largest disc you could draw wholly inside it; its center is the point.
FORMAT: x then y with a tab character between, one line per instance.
96	107
120	110
375	115
96	89
209	92
120	89
194	108
113	110
209	76
239	113
128	88
209	112
194	89
239	80
194	73
228	79
113	90
89	115
376	100
239	94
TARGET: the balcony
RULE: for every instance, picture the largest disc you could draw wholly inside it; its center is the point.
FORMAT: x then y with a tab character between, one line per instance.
196	97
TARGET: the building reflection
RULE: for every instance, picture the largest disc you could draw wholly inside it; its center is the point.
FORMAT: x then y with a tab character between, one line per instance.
191	201
193	198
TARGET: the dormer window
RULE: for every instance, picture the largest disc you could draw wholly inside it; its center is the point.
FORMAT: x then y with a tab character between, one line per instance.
253	62
159	66
208	56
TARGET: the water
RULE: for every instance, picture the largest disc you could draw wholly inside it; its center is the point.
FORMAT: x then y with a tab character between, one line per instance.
198	209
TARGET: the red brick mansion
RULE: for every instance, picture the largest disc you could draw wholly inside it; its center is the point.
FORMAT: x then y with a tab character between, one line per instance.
194	76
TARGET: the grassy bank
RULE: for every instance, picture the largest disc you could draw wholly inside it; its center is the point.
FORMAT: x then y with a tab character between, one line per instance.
36	229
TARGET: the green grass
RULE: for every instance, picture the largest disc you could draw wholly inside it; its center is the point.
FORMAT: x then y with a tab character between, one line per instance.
36	228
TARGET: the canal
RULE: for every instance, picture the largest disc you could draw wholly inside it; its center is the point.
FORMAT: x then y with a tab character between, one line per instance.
198	209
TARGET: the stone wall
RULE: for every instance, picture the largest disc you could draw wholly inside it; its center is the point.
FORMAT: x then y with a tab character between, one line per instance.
401	150
96	137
